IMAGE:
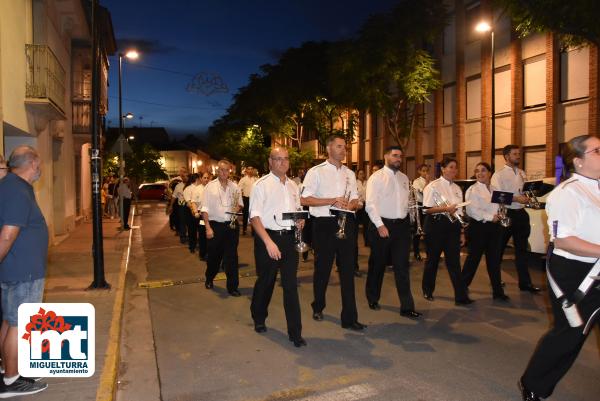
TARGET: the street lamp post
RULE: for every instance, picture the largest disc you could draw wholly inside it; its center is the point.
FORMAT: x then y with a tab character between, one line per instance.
132	55
486	27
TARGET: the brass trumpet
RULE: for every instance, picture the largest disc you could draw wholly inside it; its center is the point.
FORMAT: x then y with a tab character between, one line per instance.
440	201
532	200
503	218
235	196
341	232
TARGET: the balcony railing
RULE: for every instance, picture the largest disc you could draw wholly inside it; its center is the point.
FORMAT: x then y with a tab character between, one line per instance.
45	75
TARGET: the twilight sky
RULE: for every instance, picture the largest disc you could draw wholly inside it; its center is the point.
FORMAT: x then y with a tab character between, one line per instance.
196	54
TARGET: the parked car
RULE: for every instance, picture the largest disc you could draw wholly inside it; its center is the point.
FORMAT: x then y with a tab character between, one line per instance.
153	191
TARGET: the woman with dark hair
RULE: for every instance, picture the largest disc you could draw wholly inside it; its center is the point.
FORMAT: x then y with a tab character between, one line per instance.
484	231
573	210
443	232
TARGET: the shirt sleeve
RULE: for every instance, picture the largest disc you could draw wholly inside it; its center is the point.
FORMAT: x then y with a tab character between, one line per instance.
371	207
428	196
187	193
257	200
565	208
205	200
310	183
353	186
16	209
496	181
240	199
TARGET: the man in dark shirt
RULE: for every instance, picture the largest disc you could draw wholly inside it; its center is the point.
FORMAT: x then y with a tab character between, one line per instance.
23	253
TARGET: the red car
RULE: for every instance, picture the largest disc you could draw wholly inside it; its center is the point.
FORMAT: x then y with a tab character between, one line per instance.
153	191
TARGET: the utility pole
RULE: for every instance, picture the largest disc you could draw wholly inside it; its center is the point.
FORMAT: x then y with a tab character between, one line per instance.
96	161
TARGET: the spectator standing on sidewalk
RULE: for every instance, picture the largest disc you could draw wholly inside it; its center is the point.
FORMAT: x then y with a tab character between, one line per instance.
245	185
125	192
23	256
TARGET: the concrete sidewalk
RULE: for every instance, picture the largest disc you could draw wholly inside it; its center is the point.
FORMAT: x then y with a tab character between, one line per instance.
70	272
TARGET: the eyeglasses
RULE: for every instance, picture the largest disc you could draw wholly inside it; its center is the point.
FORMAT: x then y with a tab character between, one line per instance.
280	159
595	150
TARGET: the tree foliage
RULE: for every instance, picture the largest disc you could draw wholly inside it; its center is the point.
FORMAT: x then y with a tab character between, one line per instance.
142	165
576	21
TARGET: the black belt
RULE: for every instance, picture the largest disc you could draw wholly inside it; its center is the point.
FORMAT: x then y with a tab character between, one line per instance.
219	222
280	232
394	220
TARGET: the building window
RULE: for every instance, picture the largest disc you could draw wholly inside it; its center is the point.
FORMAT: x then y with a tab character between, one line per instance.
449	36
502	90
449	104
574	74
534	81
474	97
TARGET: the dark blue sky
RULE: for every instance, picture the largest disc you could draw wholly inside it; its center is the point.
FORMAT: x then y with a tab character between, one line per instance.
221	40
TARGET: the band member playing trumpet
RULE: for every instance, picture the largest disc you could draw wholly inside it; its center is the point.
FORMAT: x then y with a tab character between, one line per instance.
331	184
573	210
274	246
443	232
389	231
220	200
511	178
484	231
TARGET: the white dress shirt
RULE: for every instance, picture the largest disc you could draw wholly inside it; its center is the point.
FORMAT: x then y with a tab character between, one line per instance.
419	184
270	198
246	184
443	188
575	206
387	195
178	193
327	181
361	187
217	202
481	207
510	179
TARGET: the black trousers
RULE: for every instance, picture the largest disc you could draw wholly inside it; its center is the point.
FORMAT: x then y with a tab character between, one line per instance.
202	241
362	219
245	212
267	269
126	209
558	348
192	229
398	245
182	213
519	230
222	248
327	247
443	236
173	223
484	238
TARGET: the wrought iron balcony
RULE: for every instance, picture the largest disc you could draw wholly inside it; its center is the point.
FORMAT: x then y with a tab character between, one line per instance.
82	116
45	81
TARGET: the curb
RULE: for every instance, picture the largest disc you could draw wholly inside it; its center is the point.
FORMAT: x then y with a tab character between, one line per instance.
108	379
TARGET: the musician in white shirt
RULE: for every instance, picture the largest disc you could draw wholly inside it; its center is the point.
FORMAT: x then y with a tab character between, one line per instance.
245	185
511	178
274	245
484	232
573	210
440	198
331	184
222	197
389	233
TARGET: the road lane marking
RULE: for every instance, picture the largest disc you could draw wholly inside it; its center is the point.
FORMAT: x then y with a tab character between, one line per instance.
352	393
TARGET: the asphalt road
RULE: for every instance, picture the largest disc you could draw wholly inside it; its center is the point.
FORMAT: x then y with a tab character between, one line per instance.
206	348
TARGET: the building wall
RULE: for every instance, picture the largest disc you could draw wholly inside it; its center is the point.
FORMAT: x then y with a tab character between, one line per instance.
33	121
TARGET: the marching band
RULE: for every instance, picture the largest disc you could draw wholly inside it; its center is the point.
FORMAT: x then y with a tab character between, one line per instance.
484	220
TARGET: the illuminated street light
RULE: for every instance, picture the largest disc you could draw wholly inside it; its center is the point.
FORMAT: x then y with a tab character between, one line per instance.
128	116
131	137
483	27
132	54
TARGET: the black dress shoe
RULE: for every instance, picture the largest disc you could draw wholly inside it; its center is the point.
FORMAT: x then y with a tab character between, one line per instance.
428	297
298	341
192	250
356	326
418	258
318	316
530	288
464	302
234	293
501	297
208	285
374	305
411	314
260	327
357	273
526	394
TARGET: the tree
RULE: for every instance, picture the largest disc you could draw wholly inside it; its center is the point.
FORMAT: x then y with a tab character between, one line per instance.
388	69
575	21
142	165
